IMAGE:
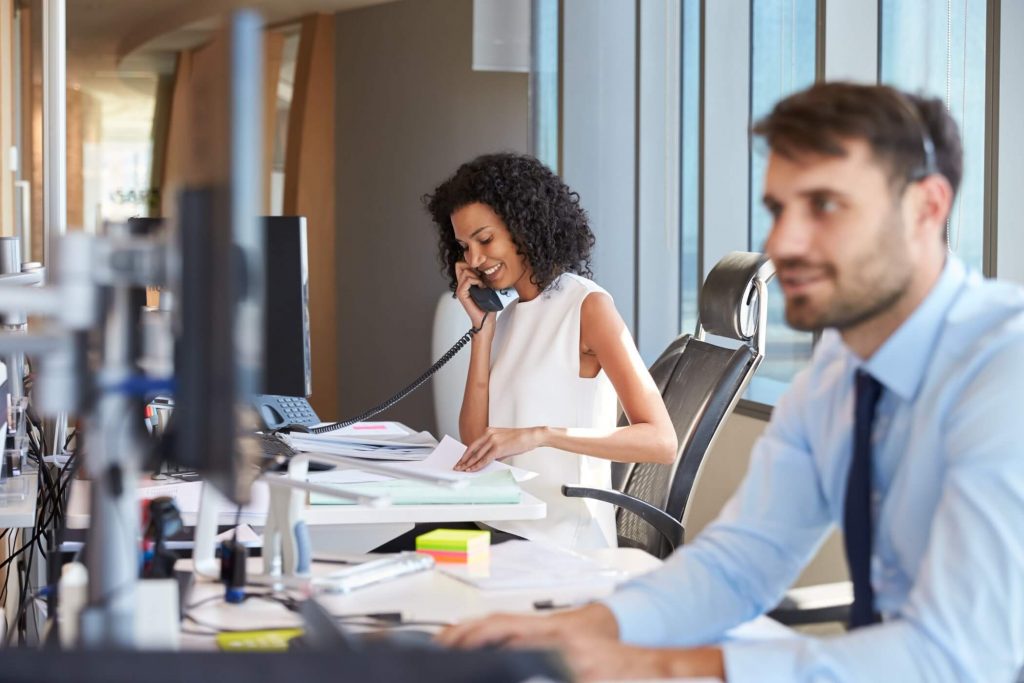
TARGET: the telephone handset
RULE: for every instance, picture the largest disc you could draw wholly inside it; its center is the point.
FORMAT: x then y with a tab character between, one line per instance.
486	298
293	413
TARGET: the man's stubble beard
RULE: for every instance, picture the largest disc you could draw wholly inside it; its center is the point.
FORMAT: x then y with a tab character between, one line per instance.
859	303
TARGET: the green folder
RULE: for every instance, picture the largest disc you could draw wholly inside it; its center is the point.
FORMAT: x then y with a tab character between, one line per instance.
492	489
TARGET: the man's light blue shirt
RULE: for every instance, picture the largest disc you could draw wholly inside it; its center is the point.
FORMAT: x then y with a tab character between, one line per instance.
948	470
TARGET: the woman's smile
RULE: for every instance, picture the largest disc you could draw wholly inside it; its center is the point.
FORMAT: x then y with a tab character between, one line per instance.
492	272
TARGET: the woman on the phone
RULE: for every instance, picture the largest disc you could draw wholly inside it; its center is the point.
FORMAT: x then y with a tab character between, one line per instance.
544	374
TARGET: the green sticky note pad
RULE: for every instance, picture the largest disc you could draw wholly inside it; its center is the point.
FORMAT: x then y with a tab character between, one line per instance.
454	540
257	641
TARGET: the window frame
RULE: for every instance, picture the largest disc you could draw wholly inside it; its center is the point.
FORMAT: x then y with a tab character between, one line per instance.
634	259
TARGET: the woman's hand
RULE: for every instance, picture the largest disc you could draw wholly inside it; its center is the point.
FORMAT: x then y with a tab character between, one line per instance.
497	443
467	277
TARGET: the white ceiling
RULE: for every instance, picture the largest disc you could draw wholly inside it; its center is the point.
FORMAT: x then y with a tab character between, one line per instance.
118	48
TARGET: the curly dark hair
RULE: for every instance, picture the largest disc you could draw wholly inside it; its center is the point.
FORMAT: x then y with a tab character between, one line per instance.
547	223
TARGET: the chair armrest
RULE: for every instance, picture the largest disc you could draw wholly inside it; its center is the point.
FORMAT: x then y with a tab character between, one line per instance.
670	529
815	604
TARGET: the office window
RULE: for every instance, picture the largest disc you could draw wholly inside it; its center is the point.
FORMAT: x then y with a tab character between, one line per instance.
689	177
1006	208
782	61
938	49
735	60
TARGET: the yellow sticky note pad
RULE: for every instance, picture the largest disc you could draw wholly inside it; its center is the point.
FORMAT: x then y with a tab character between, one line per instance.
257	641
455	545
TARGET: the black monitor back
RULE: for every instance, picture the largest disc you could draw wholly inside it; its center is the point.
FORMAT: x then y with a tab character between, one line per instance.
287	368
24	665
206	353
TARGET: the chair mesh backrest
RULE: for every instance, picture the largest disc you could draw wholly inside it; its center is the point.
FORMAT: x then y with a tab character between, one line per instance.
698	382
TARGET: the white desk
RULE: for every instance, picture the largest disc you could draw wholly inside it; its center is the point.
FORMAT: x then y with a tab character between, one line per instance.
427	596
334	529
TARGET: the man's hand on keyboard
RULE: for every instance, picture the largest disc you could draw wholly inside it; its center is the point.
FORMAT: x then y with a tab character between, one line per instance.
514	629
588	639
597	658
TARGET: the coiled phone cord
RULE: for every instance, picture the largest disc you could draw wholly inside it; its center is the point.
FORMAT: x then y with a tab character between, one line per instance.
334	426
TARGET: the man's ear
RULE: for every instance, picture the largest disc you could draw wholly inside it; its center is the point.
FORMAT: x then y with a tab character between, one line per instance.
934	202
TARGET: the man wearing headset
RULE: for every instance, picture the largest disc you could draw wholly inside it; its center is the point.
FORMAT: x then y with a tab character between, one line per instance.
903	431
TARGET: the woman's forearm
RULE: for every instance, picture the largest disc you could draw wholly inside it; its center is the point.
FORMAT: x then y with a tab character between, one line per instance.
636	443
474	413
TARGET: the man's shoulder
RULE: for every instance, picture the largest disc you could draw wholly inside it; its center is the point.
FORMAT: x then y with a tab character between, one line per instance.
986	314
980	347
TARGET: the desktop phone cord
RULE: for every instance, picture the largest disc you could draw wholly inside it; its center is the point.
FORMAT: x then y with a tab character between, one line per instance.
334	426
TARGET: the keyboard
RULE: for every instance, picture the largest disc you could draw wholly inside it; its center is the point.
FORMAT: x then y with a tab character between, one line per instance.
375	571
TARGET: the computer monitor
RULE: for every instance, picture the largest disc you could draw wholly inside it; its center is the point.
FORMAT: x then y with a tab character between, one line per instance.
219	345
287	368
207	367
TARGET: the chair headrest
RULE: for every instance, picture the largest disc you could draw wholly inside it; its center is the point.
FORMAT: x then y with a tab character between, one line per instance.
728	300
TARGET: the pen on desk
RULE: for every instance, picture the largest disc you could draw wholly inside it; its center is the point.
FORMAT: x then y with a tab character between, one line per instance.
337	560
551	604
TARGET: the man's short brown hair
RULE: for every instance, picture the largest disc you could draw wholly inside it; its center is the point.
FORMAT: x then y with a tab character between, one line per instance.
896	125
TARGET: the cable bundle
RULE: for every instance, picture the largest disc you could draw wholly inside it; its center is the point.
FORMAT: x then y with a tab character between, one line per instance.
51	508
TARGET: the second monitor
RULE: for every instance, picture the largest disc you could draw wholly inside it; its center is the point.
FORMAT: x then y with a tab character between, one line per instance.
287	364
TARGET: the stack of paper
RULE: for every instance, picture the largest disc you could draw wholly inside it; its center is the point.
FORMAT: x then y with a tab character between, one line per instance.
534	564
442	460
371	440
494	484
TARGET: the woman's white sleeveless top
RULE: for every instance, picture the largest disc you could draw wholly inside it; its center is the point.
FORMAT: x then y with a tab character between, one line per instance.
535	381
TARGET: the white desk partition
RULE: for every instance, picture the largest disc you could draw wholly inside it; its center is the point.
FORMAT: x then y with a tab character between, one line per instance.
334	529
20	511
187	495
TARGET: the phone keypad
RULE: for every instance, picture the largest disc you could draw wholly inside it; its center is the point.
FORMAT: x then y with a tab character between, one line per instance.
296	410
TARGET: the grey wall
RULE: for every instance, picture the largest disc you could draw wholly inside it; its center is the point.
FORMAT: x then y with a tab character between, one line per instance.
409	111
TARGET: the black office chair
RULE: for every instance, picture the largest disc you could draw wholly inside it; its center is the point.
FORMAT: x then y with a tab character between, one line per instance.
700	381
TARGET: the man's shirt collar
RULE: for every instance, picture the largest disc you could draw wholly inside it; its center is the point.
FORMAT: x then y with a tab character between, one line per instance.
900	363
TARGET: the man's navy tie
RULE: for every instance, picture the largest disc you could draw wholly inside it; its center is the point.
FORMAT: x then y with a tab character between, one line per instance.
857	511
